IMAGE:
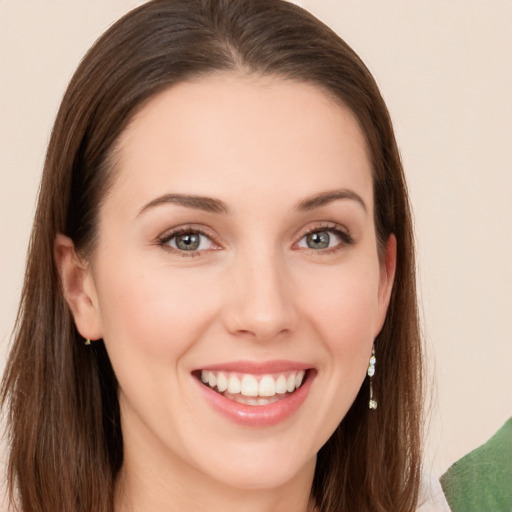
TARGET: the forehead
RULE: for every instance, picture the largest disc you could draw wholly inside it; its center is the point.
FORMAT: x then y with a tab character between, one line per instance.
230	134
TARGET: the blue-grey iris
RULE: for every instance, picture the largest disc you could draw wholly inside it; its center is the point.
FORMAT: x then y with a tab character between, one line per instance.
318	240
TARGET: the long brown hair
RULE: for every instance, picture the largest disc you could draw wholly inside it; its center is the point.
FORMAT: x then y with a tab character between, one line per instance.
63	413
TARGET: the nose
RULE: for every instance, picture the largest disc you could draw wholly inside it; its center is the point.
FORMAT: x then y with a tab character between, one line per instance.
261	300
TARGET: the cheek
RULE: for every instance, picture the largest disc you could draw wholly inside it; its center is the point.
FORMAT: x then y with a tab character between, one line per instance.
341	311
344	305
155	311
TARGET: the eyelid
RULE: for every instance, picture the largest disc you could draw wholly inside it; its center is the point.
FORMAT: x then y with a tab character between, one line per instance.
163	239
330	226
338	229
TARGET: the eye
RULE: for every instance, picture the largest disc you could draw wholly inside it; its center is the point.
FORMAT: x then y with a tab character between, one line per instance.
188	241
324	239
319	240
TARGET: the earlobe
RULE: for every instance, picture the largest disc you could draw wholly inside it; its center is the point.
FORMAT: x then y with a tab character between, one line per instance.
387	278
78	288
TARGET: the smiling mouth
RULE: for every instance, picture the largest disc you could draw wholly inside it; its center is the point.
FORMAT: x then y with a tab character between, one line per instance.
255	390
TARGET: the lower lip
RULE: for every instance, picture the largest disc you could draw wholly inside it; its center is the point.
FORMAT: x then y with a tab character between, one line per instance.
258	415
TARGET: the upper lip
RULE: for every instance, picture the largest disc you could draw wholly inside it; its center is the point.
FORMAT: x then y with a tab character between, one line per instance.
257	367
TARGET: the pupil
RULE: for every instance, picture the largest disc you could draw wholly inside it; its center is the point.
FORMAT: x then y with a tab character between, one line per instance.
188	242
319	240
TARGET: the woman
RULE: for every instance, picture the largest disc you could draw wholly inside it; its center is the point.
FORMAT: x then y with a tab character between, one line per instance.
219	307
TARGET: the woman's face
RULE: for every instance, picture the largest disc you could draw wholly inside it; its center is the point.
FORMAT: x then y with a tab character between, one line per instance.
237	247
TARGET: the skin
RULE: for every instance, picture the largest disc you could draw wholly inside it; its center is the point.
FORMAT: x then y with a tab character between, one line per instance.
256	290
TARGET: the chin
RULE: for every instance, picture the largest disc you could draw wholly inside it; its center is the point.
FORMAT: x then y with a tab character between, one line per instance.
270	475
265	462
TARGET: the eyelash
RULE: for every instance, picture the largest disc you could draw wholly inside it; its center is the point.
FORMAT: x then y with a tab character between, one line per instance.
345	237
164	240
343	234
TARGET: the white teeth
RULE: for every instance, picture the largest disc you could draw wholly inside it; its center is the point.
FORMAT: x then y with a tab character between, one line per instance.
267	386
290	383
248	385
234	386
222	382
281	385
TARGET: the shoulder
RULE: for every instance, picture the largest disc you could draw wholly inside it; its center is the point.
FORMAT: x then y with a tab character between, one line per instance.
481	479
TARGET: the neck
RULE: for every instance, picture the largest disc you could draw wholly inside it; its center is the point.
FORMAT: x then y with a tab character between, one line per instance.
144	489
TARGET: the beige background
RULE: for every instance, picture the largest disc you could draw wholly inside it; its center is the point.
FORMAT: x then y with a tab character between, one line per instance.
444	70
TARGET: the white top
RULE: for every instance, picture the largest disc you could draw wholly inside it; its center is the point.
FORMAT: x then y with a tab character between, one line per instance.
432	498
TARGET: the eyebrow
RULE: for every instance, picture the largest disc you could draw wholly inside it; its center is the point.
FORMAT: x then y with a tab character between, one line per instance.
206	204
318	200
210	205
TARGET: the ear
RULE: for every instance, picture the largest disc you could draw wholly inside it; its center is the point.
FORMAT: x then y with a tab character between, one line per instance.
78	288
387	278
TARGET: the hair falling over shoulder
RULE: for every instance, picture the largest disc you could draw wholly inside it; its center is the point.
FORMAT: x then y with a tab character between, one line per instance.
60	397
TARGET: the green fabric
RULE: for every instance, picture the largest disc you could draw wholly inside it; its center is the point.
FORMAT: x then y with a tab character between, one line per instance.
482	480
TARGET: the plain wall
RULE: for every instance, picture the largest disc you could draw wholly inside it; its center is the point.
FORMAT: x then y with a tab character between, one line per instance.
444	70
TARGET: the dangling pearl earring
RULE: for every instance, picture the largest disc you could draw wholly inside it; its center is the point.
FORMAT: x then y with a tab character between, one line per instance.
372	404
